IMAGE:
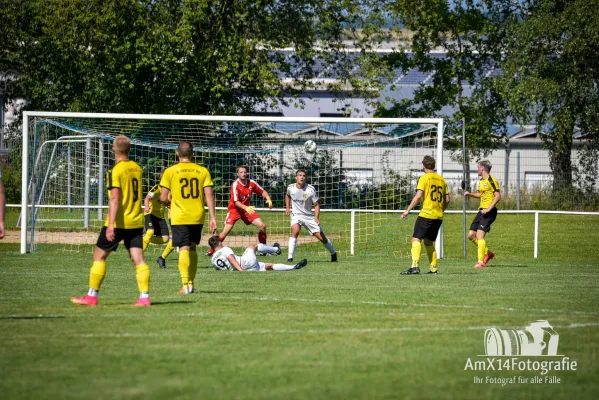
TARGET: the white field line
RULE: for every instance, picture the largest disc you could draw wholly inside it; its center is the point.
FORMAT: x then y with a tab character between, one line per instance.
350	331
376	303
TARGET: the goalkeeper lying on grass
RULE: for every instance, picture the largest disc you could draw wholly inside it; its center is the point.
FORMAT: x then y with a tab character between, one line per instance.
224	259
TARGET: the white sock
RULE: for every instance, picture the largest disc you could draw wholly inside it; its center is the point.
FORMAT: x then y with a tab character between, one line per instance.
262	248
291	249
144	295
92	292
329	246
282	267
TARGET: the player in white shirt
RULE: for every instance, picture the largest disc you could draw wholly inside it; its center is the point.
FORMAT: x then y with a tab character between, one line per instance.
299	200
224	259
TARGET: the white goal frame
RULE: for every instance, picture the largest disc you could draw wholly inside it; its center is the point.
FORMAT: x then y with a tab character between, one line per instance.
27	115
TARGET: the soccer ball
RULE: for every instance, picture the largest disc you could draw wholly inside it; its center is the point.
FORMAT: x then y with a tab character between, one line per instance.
310	146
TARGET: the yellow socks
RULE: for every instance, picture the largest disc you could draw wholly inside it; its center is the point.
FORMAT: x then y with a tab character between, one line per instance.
142	273
147	238
193	266
158	240
482	250
431	252
416	251
184	262
475	241
168	250
97	274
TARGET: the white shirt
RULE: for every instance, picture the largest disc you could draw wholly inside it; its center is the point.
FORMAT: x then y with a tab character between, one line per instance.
220	259
302	200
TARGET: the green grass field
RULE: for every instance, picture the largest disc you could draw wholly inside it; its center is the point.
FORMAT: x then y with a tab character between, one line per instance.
355	329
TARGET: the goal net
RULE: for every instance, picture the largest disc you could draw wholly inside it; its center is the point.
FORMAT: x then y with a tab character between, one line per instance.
364	171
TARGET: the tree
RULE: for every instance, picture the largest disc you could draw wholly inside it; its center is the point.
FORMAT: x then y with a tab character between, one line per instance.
171	56
466	32
550	74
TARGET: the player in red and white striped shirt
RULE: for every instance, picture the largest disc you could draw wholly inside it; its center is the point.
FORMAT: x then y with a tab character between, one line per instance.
239	205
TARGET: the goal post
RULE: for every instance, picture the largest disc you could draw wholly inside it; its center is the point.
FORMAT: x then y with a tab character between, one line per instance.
364	170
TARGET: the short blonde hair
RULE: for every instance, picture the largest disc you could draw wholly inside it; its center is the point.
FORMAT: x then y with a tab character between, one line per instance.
122	144
486	164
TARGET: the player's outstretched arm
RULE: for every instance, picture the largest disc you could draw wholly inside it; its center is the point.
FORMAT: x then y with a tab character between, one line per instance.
267	198
415	200
234	263
446	202
209	196
475	195
113	207
164	196
147	203
317	213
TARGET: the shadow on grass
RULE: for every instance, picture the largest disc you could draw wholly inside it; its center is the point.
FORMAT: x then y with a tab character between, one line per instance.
226	291
32	317
163	303
508	266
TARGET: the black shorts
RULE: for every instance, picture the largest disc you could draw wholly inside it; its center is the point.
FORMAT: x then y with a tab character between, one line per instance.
131	238
184	235
482	222
158	224
426	228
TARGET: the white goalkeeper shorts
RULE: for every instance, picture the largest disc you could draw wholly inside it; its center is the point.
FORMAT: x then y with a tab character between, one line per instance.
249	262
308	222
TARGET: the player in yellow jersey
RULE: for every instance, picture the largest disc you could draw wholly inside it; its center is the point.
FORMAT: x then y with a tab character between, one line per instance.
489	195
155	224
432	189
190	187
123	222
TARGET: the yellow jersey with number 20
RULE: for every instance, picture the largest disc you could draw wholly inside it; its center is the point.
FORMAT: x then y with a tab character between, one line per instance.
434	190
126	175
187	181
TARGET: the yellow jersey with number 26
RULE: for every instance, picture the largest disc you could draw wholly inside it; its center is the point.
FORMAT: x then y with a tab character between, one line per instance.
433	200
187	181
126	175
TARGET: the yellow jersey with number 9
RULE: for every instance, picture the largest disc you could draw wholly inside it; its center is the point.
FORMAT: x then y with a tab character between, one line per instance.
187	181
126	175
434	190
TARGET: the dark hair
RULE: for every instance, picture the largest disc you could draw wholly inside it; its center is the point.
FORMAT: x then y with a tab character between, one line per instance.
247	169
300	170
214	241
185	149
428	162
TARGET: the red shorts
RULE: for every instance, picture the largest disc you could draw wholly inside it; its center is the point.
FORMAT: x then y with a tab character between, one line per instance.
234	216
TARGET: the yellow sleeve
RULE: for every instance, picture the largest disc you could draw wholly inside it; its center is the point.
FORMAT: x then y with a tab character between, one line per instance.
421	183
207	179
166	179
494	184
114	178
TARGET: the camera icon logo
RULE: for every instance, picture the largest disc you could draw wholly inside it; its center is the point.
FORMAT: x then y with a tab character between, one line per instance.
536	339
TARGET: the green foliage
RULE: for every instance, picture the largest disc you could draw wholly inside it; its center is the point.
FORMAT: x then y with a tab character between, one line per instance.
11	178
173	56
550	75
465	32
